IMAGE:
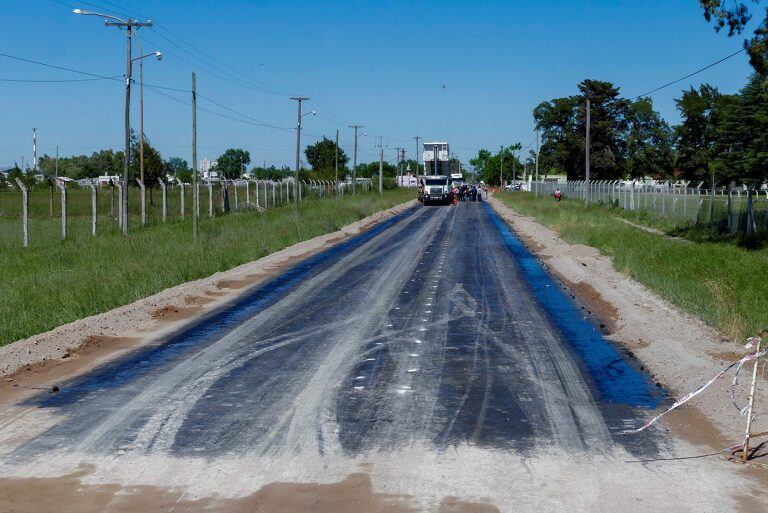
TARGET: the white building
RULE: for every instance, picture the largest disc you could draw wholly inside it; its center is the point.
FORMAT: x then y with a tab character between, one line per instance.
207	169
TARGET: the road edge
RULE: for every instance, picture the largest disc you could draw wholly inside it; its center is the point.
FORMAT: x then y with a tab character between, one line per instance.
678	349
152	317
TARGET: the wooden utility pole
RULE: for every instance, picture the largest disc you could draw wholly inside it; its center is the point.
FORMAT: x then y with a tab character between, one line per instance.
381	166
501	167
24	210
195	190
417	159
354	161
586	150
337	157
296	185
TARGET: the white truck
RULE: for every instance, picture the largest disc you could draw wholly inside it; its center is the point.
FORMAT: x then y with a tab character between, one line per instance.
437	189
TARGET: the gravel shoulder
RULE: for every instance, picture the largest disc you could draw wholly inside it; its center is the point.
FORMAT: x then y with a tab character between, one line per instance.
679	350
78	346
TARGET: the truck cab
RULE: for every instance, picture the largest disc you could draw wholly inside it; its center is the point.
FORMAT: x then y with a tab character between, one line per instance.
437	189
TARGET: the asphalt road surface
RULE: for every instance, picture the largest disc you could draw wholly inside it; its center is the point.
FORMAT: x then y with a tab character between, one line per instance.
434	342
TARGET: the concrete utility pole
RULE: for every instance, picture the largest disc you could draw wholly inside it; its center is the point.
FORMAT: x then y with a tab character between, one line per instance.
34	149
141	113
354	160
336	166
537	154
195	191
129	25
501	169
416	172
299	99
586	149
381	165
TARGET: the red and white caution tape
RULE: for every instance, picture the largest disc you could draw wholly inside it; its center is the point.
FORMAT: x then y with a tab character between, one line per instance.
752	342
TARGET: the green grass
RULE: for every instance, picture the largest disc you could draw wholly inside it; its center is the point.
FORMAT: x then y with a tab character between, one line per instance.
721	283
54	282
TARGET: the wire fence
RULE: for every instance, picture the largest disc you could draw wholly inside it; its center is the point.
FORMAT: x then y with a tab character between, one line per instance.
733	211
48	212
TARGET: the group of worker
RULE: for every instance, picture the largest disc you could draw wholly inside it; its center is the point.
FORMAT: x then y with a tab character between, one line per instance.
466	193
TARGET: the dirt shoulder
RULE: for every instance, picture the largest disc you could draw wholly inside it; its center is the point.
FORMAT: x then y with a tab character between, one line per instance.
678	349
47	358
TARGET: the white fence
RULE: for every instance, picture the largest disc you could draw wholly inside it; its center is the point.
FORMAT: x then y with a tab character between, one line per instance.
733	210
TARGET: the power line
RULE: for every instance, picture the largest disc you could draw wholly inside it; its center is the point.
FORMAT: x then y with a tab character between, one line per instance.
71	70
29	81
690	74
209	59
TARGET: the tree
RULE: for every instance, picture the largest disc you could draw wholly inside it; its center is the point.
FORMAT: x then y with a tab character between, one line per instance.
271	173
626	137
489	165
649	142
27	178
175	165
233	162
740	139
609	124
322	157
371	169
734	16
702	113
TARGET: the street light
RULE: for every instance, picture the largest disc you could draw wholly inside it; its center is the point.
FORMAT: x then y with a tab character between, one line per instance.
296	186
129	26
159	55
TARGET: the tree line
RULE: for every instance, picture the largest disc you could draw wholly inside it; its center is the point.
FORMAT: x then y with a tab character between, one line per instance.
231	164
721	137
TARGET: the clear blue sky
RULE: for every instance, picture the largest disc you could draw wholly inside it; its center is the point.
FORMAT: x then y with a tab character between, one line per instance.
378	64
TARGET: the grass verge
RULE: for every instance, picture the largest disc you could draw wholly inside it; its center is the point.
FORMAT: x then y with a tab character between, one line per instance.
719	282
52	284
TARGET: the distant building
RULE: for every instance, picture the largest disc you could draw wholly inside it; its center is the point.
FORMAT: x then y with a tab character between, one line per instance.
207	169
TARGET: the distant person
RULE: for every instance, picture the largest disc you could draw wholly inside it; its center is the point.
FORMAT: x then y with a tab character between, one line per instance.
455	195
557	194
473	193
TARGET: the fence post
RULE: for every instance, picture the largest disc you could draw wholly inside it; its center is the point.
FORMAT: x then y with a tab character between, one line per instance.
164	194
181	188
210	199
120	210
111	198
247	193
25	210
196	202
93	209
730	213
63	189
751	405
750	213
143	202
234	184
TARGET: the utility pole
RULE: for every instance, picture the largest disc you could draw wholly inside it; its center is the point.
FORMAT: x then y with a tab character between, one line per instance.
537	154
381	165
56	171
336	166
141	112
195	192
129	25
354	161
34	149
586	149
502	167
299	99
417	159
